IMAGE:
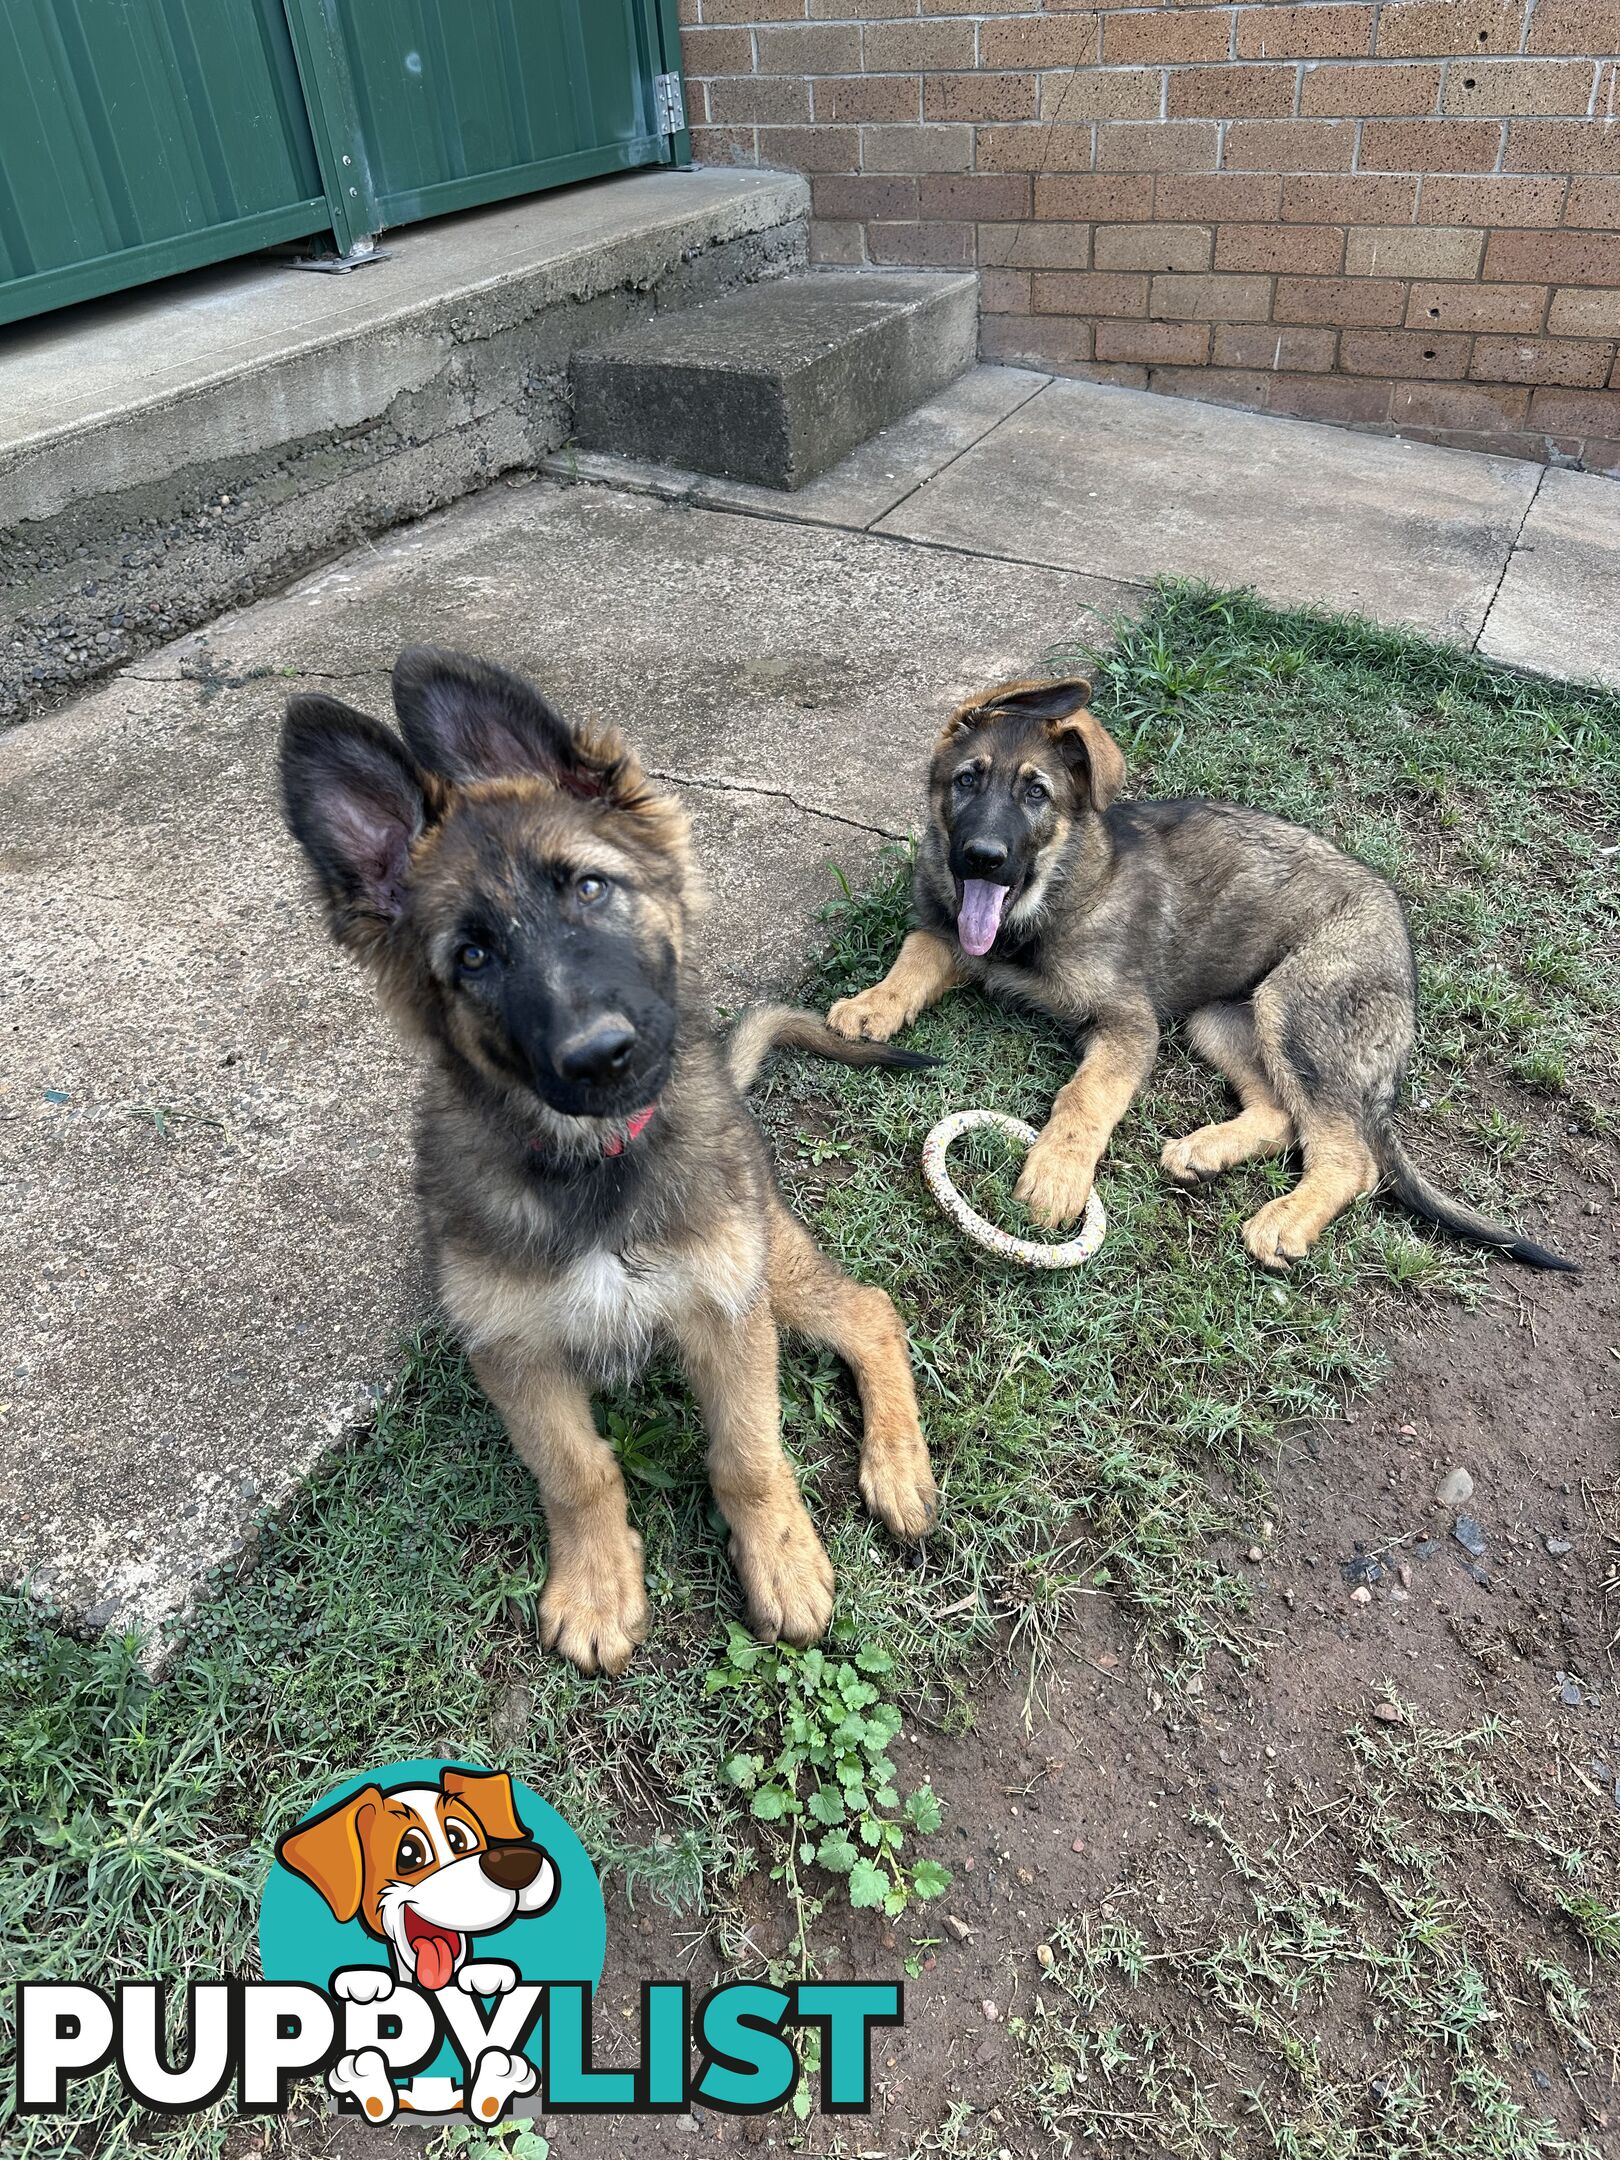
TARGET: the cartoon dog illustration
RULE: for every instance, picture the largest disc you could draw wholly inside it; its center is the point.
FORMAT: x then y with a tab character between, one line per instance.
425	1869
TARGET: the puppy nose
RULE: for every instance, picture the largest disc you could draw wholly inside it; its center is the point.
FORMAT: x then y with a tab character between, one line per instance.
513	1867
985	856
598	1052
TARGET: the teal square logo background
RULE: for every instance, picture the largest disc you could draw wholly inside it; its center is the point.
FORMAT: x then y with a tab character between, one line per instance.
301	1939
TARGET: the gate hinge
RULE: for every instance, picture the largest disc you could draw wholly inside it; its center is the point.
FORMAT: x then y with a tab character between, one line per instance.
669	104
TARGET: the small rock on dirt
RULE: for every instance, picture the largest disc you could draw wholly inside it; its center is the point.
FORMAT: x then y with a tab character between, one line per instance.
1469	1536
1387	1713
1455	1489
1044	1956
992	2016
959	1928
1558	1546
1361	1595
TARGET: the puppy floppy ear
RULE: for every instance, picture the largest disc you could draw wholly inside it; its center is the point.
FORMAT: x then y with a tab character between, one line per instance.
1086	745
355	804
489	1795
328	1853
1043	702
468	721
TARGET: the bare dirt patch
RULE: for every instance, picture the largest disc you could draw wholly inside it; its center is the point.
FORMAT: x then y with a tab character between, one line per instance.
1073	1802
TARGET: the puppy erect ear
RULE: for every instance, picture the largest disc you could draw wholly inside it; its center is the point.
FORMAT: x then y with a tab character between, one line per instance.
489	1795
355	804
467	721
328	1853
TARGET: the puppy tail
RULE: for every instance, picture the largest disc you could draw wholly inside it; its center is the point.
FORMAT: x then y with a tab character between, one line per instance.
1424	1198
764	1028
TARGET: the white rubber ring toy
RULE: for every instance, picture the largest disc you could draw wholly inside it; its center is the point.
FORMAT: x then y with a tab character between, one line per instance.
1073	1252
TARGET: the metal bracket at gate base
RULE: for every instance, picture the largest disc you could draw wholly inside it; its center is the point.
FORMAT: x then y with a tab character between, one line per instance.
359	257
669	104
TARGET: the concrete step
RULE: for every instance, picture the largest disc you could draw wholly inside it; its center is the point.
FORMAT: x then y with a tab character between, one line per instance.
775	383
177	450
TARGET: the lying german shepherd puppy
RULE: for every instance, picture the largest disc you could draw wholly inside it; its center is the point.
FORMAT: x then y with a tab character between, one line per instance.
1289	963
591	1182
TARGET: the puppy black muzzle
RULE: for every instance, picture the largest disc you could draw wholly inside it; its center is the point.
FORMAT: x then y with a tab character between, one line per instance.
594	1041
989	858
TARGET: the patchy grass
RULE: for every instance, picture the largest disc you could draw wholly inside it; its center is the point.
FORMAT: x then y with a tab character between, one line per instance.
1099	1434
1363	1977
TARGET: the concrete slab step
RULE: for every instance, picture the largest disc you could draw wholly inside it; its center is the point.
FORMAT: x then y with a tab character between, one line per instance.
174	451
860	488
773	385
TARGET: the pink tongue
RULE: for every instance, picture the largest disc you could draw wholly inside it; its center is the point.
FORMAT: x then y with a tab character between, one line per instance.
979	917
435	1961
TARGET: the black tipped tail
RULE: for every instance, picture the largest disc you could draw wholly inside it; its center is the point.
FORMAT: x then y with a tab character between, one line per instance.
786	1027
1424	1198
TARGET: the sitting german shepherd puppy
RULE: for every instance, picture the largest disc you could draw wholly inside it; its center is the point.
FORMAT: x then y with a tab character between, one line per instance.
1289	962
591	1182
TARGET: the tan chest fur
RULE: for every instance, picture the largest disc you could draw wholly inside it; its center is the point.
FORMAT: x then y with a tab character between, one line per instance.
605	1312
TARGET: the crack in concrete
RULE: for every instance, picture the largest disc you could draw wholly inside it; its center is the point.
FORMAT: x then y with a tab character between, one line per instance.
956	457
746	787
248	678
697	503
1507	560
715	781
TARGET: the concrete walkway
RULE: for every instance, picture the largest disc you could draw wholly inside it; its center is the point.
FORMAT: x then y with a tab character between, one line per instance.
207	1257
1520	561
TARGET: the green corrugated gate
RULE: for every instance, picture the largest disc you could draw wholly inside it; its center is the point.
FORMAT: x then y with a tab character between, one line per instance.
142	137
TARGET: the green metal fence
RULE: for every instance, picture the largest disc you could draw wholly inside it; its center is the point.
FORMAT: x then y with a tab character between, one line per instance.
143	137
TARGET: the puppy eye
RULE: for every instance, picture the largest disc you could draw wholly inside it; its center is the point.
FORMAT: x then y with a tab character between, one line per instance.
413	1852
458	1837
470	958
590	888
965	780
1037	792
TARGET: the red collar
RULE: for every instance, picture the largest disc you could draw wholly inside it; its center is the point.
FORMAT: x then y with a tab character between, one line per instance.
634	1127
616	1143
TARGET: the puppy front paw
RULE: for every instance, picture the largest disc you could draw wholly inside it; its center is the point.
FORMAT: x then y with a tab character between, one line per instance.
897	1484
872	1016
363	1984
787	1579
593	1610
1055	1182
492	1978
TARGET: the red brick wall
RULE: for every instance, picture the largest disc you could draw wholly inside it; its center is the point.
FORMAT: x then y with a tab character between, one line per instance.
1401	214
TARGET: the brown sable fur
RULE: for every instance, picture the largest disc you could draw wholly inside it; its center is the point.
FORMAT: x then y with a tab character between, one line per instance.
524	895
1289	964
